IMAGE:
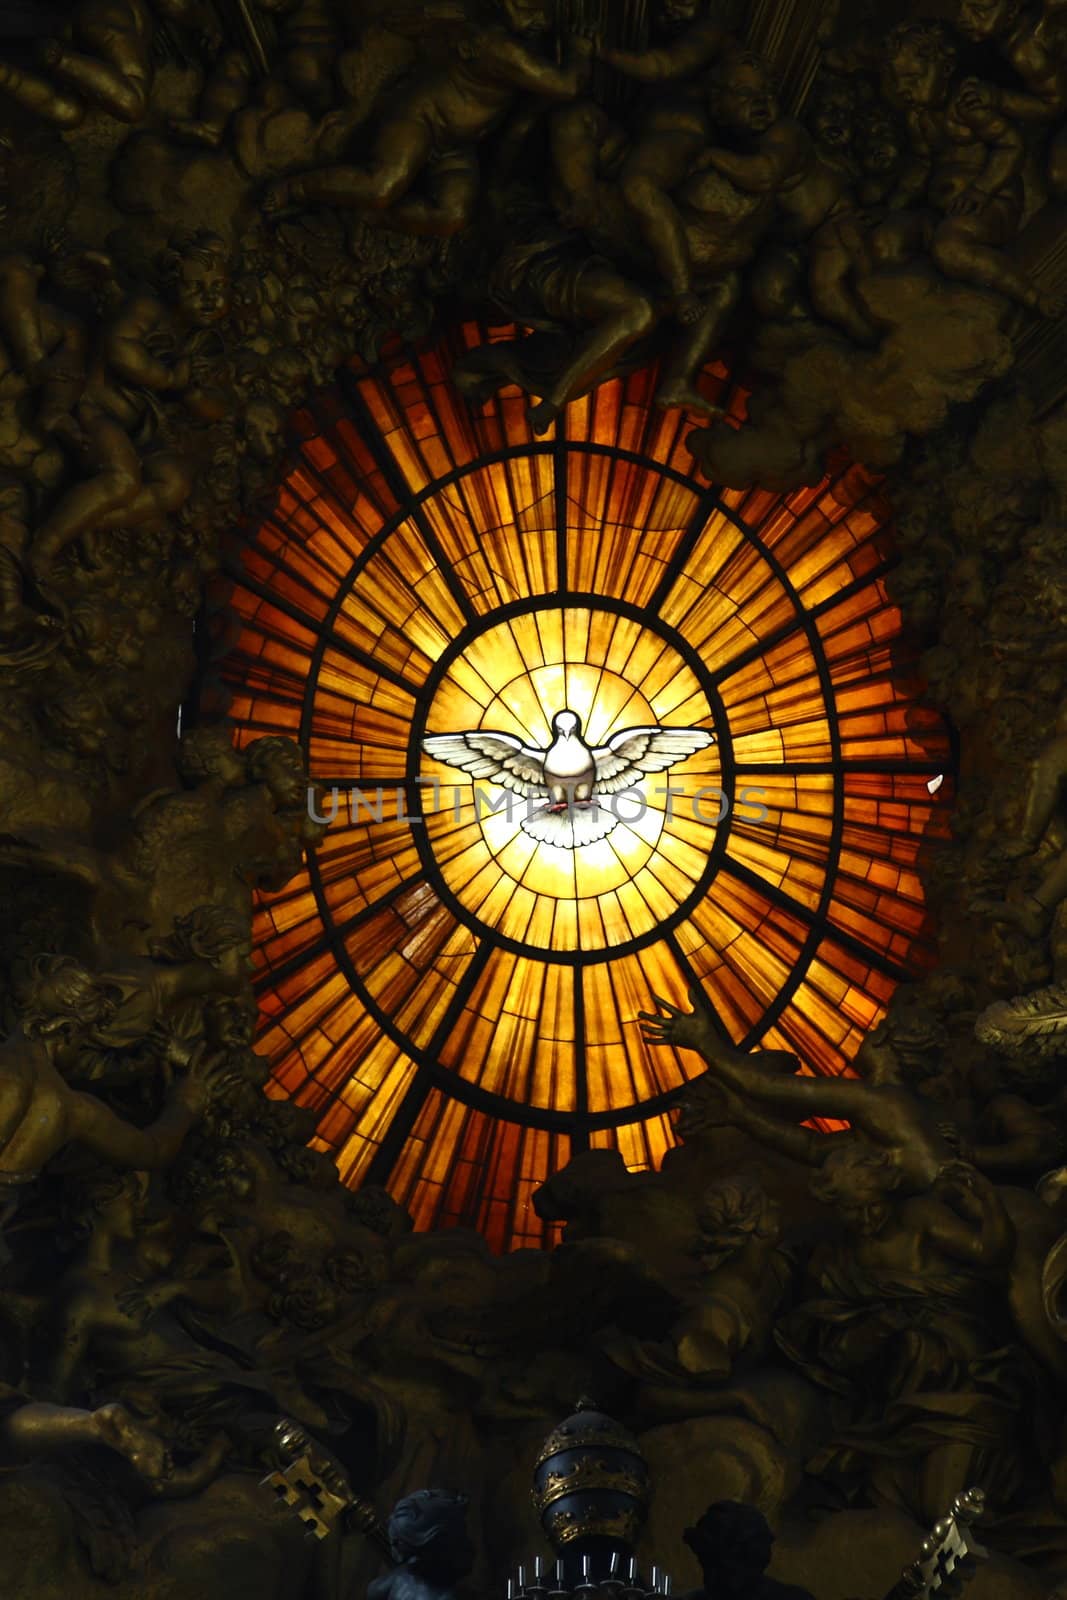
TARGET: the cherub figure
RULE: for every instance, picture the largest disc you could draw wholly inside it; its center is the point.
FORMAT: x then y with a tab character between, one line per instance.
966	164
227	90
1030	40
545	275
291	119
1016	1128
776	158
879	145
182	850
719	222
310	47
209	952
730	1313
107	1298
98	407
900	1320
40	1113
208	761
139	357
905	1132
431	1547
672	128
724	219
772	155
552	276
48	346
106	64
113	1329
433	128
733	1543
43	371
832	118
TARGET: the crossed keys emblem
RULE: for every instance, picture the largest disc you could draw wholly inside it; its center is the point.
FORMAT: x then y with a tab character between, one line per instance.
946	1555
313	1486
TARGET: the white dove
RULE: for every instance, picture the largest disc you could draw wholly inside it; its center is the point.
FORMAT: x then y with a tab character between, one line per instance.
570	774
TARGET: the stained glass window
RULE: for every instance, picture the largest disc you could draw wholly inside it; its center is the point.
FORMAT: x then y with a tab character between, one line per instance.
455	999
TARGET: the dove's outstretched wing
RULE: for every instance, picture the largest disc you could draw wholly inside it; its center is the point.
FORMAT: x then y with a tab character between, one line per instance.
496	757
635	752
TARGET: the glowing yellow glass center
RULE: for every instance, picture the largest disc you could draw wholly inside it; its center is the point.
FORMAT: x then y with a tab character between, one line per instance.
615	674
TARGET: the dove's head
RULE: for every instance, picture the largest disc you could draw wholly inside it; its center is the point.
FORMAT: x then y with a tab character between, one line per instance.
567	724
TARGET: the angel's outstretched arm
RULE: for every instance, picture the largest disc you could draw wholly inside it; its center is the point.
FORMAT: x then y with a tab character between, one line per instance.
805	1145
766	1077
707	1103
680	59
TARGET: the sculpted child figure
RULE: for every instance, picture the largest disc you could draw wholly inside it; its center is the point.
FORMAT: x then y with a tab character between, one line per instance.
433	128
430	1546
1030	40
966	163
40	1112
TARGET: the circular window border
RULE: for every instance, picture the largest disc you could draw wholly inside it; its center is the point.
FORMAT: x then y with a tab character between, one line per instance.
431	1071
414	790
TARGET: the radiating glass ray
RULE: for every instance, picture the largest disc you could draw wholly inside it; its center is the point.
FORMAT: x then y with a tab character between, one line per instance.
463	1167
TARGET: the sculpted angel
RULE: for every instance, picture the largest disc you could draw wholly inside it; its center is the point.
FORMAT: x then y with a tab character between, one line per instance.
432	128
40	1112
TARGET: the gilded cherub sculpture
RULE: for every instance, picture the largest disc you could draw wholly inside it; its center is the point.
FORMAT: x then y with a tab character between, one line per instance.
41	1113
433	128
1029	38
966	162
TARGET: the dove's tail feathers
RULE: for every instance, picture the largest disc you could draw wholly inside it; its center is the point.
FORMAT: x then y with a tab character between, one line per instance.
572	827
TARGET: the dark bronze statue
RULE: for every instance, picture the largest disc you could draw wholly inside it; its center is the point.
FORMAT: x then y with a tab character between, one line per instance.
733	1544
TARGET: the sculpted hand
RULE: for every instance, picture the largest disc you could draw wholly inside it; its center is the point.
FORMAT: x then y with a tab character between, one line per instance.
969	203
669	1024
958	1178
706	1105
208	1078
177	1037
140	1304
